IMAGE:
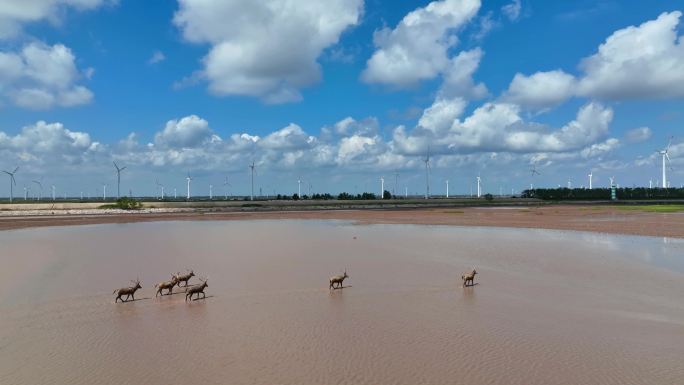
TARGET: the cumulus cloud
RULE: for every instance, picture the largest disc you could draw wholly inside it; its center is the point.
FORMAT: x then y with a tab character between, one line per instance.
541	90
498	127
268	49
638	135
617	71
654	70
48	144
417	48
15	13
42	76
188	132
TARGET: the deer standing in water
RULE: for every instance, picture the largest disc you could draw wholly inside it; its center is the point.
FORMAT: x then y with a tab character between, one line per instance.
338	279
184	278
468	277
198	289
168	285
127	291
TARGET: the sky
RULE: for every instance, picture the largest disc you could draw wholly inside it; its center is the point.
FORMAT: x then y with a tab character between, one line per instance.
338	94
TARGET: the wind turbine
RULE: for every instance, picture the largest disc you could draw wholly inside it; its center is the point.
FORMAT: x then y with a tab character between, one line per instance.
665	155
650	183
188	179
427	174
226	188
591	175
162	188
299	188
569	183
211	192
12	182
534	171
40	188
382	187
25	193
104	191
447	184
53	192
252	166
479	190
612	181
175	196
118	179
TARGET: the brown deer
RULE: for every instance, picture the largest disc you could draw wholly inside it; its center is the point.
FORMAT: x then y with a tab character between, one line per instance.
168	285
198	289
469	277
338	279
184	278
127	291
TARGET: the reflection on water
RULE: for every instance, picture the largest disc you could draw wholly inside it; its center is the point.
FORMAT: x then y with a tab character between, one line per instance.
549	307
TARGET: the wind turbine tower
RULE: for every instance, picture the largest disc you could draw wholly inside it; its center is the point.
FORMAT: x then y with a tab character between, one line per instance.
299	188
665	155
427	174
13	183
227	185
53	192
188	179
252	166
118	179
382	187
447	184
162	189
104	191
40	189
211	193
591	175
479	189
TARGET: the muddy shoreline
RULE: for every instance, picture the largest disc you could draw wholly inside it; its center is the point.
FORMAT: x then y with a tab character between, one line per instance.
591	218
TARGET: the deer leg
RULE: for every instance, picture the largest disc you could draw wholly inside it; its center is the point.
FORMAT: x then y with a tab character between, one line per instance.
203	295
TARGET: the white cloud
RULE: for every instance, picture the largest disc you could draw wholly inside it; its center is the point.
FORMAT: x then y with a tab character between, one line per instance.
512	10
157	57
15	13
458	76
289	138
498	127
541	90
42	76
188	132
47	144
269	49
618	71
417	49
638	135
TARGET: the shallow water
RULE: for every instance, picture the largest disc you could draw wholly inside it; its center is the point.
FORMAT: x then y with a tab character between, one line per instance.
550	307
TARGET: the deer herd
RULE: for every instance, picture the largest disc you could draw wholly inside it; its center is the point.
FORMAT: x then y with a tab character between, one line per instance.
336	282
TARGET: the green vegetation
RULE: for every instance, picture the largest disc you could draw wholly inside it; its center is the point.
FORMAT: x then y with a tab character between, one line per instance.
580	194
124	203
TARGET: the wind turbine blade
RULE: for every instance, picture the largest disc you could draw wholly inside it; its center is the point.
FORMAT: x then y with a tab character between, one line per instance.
15	169
123	168
13	180
117	167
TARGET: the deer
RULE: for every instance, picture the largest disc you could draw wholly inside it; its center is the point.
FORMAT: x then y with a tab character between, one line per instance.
184	278
166	285
127	291
338	279
468	277
198	289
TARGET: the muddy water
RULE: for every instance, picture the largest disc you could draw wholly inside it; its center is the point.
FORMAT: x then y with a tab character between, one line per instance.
549	308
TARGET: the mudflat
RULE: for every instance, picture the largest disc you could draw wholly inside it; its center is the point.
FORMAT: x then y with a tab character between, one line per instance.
604	219
548	307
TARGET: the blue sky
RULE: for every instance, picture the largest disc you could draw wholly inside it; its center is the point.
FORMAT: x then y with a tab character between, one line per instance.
339	94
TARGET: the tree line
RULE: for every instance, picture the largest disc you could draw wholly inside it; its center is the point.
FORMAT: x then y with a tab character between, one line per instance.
628	193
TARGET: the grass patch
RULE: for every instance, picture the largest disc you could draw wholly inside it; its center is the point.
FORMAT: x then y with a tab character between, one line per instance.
654	208
453	211
252	205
